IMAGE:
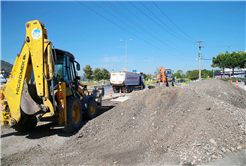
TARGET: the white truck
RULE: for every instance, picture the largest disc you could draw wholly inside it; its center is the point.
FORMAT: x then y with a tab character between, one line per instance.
127	81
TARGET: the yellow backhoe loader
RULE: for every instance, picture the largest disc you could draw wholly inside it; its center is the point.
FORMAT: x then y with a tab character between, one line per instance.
44	85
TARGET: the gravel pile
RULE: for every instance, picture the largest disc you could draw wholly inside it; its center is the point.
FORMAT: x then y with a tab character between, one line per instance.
187	125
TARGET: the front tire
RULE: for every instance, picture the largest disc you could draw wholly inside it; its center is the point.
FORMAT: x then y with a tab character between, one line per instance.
74	114
91	110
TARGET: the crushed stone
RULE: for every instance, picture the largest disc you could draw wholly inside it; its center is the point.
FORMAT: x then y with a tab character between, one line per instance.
188	125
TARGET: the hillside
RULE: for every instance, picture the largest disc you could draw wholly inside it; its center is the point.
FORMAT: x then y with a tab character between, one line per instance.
6	66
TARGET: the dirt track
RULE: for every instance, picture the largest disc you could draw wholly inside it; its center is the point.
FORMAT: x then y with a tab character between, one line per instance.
189	125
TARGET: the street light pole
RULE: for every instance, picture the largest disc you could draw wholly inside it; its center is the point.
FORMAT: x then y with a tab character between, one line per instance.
126	50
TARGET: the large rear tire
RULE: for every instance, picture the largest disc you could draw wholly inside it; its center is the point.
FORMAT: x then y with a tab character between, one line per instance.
91	111
74	114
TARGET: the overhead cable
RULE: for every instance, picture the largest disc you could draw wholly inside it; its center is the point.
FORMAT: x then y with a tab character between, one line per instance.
172	21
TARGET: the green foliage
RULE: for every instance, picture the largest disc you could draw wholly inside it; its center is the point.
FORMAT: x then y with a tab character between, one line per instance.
149	76
180	71
88	73
177	75
207	73
195	75
97	74
6	66
217	71
149	82
188	73
105	74
220	61
233	79
229	60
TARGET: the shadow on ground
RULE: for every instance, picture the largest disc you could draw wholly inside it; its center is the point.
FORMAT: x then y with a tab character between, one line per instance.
46	130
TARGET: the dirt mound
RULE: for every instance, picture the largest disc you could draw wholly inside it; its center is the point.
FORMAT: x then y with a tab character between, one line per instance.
176	125
195	124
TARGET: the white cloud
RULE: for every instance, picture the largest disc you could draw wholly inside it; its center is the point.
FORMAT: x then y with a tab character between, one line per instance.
112	59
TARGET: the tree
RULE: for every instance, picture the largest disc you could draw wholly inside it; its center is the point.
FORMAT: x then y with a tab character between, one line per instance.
195	75
236	59
177	75
180	71
188	73
207	73
105	74
97	74
88	73
220	61
145	76
148	76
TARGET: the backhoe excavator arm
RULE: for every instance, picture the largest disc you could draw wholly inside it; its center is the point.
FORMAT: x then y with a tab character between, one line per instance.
36	56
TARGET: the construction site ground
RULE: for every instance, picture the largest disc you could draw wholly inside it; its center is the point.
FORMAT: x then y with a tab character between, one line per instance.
202	123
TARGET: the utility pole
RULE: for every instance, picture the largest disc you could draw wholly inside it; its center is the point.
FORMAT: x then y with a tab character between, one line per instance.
200	58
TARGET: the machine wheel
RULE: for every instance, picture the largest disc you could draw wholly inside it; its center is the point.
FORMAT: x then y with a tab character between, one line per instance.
74	114
91	111
27	123
128	89
116	90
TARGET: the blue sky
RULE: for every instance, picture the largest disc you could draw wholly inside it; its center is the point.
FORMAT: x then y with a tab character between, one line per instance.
93	33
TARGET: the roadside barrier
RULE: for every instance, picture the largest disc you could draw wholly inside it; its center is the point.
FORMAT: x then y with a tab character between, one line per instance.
237	84
231	81
110	94
120	91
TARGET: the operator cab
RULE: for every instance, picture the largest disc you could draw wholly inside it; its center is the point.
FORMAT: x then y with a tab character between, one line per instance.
65	67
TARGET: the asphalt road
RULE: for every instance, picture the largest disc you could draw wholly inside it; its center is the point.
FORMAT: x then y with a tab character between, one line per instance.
107	92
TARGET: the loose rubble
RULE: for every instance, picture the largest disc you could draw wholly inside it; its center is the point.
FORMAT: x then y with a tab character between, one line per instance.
188	125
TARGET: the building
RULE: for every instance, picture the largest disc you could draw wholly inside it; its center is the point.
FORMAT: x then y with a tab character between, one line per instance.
238	73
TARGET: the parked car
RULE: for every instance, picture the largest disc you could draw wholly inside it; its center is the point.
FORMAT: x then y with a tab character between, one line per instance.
182	80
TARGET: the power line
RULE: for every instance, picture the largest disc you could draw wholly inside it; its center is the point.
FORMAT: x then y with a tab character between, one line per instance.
163	22
125	29
172	21
124	22
154	21
147	24
226	46
142	28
